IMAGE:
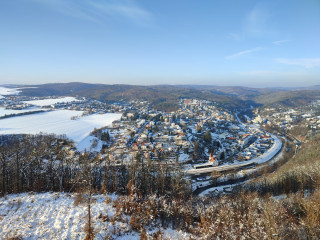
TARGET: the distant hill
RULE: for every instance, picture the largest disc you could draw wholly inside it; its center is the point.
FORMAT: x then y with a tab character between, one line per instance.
165	97
244	93
59	89
288	98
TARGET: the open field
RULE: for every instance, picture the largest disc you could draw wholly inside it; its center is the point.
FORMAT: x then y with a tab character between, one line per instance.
57	122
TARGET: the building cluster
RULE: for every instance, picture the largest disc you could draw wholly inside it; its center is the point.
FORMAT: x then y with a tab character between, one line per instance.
288	118
90	106
197	126
14	102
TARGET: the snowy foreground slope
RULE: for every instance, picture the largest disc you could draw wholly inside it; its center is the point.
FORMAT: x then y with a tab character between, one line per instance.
55	216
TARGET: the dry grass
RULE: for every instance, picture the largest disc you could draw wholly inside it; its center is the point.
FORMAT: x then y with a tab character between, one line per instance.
298	173
244	216
79	199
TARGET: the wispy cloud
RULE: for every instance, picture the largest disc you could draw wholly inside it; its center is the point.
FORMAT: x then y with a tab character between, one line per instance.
256	22
69	8
245	52
280	42
303	62
131	12
98	11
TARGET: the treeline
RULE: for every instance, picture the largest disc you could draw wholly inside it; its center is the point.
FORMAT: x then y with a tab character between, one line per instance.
47	163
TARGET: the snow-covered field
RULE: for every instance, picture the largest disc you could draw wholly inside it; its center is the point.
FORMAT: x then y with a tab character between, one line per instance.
55	216
51	101
4	112
58	122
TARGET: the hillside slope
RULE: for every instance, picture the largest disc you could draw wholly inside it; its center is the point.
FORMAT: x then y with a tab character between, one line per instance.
302	172
288	98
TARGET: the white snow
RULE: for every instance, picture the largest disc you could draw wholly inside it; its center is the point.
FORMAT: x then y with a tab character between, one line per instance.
4	112
216	190
51	101
88	144
183	157
58	122
8	91
49	216
55	216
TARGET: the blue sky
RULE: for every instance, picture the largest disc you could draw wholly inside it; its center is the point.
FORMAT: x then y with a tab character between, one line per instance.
227	42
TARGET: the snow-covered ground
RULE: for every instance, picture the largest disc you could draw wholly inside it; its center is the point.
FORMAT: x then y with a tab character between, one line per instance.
55	216
58	122
90	144
217	190
4	112
8	91
184	157
51	101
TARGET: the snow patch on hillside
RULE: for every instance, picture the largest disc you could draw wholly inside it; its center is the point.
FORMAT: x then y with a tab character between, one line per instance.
51	101
90	144
8	91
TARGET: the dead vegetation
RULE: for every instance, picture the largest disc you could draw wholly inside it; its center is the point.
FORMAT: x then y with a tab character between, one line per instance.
243	216
298	173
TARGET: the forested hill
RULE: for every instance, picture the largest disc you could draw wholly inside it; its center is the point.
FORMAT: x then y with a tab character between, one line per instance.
287	97
165	97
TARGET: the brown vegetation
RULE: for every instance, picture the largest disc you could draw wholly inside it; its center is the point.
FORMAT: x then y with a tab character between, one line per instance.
242	216
298	173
